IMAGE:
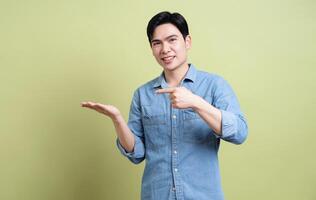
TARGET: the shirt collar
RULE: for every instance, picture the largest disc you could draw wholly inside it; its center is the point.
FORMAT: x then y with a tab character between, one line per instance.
190	75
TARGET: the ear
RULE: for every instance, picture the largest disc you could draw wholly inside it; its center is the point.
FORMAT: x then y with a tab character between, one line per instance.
188	42
151	48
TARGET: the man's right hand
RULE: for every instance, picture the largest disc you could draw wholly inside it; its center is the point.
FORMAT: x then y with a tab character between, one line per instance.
108	110
123	132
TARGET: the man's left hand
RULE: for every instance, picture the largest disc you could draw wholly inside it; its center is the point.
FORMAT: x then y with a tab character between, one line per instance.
180	97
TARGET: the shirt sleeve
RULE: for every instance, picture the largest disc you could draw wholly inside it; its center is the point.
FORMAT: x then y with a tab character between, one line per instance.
135	125
234	124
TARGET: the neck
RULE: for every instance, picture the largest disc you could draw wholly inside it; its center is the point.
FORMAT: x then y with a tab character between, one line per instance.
175	76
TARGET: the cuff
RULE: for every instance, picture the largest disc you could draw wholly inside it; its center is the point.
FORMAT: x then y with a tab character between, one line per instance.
138	151
122	150
229	125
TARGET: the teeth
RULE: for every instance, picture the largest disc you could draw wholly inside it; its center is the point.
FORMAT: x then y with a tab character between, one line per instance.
168	58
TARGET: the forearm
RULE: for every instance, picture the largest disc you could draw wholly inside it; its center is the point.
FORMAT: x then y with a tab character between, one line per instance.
125	136
211	115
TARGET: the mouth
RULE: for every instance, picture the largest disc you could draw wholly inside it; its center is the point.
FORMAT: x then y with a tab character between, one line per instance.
168	59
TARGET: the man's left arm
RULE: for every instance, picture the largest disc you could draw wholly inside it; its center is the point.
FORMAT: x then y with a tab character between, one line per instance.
224	116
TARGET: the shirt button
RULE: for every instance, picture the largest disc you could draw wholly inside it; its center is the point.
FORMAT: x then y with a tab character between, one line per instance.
175	152
173	188
175	169
174	116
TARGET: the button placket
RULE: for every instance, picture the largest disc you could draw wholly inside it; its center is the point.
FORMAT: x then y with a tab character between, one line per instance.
174	148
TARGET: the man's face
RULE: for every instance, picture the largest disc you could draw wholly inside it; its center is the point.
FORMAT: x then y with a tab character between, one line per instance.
169	47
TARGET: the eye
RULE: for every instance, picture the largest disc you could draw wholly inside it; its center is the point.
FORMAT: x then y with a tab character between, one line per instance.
155	43
173	39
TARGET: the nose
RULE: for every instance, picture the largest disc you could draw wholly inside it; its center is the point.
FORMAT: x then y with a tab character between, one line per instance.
165	49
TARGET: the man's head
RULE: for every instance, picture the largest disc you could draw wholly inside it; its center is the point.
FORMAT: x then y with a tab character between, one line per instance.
169	38
166	17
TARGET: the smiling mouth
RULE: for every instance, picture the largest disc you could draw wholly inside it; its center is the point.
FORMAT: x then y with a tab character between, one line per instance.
168	59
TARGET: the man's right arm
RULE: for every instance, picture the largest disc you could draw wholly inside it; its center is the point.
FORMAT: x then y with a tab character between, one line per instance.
124	134
130	135
130	139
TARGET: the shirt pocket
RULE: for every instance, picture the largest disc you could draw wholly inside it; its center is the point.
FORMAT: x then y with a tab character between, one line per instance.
154	122
195	129
190	114
153	115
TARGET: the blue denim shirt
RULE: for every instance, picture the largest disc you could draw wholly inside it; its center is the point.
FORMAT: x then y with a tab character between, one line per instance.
179	147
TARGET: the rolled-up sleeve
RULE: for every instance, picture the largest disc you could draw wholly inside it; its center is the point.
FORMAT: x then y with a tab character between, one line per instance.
234	124
135	125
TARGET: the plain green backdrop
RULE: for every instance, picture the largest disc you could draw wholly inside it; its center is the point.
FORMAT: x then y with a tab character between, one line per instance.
56	54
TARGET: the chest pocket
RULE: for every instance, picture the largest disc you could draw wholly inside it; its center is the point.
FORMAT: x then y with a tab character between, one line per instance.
195	129
155	126
153	115
189	114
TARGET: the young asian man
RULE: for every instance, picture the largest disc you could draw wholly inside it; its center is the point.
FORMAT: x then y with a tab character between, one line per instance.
177	120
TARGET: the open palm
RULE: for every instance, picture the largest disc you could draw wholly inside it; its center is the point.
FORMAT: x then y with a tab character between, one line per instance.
108	110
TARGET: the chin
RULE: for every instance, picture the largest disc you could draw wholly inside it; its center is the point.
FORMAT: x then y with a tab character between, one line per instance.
170	67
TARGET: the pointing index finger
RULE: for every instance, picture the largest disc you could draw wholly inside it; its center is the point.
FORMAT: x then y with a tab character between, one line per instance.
165	90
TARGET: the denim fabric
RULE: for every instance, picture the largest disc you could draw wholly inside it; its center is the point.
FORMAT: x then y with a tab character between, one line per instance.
179	147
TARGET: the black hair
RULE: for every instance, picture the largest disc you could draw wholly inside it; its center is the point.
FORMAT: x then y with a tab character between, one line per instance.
166	17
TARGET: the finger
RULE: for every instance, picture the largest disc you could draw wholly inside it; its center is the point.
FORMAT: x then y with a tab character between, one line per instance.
84	104
88	104
99	105
165	90
172	98
174	105
174	101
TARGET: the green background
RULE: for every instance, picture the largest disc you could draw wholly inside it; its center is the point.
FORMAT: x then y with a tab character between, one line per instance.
56	54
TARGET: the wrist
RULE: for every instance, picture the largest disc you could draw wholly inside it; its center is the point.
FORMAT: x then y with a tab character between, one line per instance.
197	102
117	118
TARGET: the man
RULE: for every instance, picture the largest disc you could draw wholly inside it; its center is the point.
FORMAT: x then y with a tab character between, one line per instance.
177	120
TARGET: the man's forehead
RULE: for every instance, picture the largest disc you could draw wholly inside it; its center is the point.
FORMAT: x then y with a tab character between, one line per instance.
164	38
165	31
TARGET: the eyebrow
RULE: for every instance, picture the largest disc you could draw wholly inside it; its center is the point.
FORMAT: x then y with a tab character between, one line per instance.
170	36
